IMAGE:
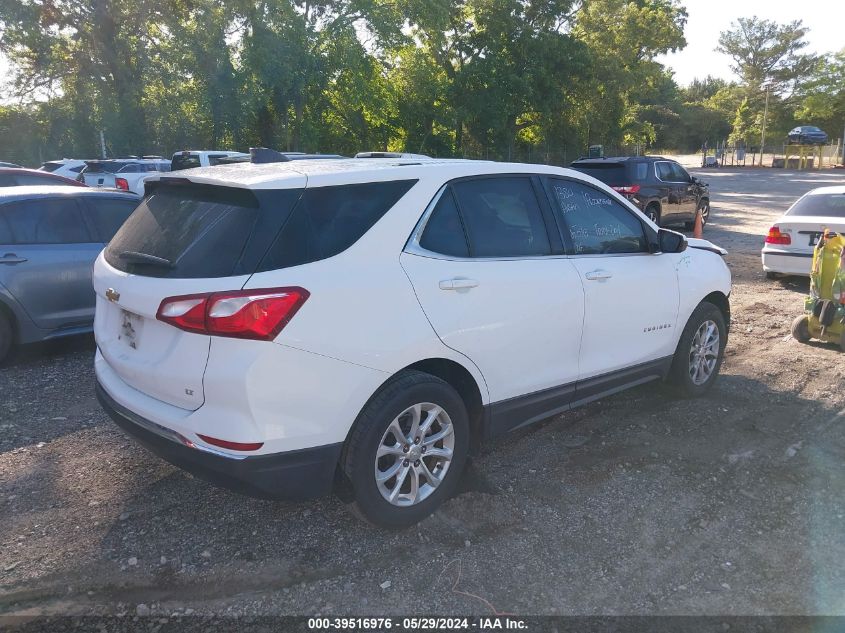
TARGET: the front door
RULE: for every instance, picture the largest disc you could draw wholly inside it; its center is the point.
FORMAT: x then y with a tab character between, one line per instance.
497	289
631	295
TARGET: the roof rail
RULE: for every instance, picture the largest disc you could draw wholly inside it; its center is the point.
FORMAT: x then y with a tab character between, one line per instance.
389	155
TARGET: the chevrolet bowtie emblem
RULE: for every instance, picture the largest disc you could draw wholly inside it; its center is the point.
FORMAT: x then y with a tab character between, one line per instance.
112	295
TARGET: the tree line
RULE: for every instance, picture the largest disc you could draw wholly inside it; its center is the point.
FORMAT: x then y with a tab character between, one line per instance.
536	80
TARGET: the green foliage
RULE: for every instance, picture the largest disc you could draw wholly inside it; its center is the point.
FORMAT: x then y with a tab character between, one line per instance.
504	79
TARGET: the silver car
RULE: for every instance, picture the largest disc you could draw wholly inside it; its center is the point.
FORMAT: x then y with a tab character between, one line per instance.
49	238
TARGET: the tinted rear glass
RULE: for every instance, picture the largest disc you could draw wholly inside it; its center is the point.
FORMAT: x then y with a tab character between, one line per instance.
328	220
106	166
50	166
184	161
199	231
609	173
831	205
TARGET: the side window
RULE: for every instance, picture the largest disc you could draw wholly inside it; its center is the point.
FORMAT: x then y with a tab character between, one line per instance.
664	171
502	217
47	221
640	171
596	223
214	159
679	174
109	214
444	232
5	230
328	220
131	168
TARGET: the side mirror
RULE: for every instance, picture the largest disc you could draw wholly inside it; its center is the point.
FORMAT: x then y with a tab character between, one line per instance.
671	242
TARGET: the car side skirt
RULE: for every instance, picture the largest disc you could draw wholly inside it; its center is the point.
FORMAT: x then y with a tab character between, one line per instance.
514	413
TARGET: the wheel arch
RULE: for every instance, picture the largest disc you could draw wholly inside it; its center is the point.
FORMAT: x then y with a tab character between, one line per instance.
721	301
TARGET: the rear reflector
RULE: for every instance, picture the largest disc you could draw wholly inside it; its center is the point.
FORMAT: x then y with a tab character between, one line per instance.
776	237
253	314
232	446
627	190
121	183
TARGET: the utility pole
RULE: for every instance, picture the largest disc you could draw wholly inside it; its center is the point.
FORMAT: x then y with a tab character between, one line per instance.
765	116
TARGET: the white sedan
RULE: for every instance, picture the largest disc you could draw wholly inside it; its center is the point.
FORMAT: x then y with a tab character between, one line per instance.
789	245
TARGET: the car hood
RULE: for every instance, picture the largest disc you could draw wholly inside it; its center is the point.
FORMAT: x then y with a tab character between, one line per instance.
704	245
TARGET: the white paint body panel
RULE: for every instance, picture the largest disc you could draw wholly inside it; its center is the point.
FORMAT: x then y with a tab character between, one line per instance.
518	332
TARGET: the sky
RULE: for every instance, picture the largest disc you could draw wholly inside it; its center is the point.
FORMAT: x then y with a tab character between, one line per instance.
708	18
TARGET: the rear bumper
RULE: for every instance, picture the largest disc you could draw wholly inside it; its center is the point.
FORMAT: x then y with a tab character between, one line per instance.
787	262
296	475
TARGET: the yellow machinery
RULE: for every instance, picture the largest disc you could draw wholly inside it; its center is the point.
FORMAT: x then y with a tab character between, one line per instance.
802	156
824	318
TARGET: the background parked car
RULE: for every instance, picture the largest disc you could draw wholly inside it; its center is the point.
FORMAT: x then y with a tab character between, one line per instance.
660	187
49	238
807	134
67	167
18	176
187	159
126	174
788	249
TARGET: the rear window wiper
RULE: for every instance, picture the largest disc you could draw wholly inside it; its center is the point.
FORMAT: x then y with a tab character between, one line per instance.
134	257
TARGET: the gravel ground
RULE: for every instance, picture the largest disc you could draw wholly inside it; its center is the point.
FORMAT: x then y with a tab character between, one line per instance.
638	504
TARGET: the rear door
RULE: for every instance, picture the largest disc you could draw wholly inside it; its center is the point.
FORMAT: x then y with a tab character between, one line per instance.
631	295
47	264
687	191
673	210
181	240
493	282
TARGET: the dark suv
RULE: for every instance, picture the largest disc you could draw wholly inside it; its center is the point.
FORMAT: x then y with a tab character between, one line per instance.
660	187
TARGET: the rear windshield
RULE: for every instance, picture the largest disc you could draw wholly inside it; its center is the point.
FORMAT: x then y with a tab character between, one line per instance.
184	161
106	166
609	173
199	231
50	166
831	205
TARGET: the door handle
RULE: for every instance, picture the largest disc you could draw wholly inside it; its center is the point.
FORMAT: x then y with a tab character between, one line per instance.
598	275
457	284
11	258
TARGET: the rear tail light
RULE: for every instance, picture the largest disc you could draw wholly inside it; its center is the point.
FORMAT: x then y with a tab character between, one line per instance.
121	183
628	190
776	237
253	314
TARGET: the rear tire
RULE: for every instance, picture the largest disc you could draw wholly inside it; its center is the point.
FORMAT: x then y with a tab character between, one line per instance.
6	337
700	351
801	329
397	479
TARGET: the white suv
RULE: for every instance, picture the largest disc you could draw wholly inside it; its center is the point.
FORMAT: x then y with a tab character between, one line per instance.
286	329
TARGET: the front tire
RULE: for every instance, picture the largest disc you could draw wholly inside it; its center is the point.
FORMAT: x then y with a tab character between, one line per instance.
700	351
407	449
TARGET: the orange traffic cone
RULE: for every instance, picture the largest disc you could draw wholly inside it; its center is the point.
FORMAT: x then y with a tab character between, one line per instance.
698	230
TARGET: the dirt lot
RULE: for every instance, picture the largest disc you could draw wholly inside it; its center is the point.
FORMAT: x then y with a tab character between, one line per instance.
639	504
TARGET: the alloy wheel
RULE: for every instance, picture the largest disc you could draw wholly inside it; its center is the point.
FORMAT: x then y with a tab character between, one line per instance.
414	454
704	352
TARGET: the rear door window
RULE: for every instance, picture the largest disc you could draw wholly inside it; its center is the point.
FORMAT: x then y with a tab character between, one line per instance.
107	215
46	221
664	171
328	220
597	224
502	217
444	231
